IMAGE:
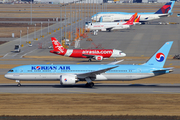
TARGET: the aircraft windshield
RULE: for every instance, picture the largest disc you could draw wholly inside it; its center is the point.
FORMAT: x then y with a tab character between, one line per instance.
10	71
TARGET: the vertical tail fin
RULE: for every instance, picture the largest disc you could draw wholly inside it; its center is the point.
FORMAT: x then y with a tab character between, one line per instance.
57	46
101	19
166	8
137	19
159	58
131	20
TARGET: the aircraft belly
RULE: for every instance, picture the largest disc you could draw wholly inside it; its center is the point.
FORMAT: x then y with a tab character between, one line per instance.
36	77
56	76
124	76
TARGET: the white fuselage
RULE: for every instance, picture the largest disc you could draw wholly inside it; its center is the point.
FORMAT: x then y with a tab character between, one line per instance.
106	26
114	17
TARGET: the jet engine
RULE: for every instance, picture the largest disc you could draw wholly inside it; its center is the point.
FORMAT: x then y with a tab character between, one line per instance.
68	79
98	58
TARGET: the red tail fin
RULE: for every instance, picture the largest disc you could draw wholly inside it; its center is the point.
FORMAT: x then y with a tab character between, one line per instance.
57	46
135	17
131	20
137	20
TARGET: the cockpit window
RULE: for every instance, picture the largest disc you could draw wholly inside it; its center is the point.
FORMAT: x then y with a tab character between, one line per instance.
10	71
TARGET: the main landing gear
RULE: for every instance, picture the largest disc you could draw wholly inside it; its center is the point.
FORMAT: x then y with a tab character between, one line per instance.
89	60
91	84
19	84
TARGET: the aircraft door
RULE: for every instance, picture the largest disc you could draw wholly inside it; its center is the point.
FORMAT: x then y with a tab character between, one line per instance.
21	70
139	70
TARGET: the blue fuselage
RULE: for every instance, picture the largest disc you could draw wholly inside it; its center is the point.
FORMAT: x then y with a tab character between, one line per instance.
53	72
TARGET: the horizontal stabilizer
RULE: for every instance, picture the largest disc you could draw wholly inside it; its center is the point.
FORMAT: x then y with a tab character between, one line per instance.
164	69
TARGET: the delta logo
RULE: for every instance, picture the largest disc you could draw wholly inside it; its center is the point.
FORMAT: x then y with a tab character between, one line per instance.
160	57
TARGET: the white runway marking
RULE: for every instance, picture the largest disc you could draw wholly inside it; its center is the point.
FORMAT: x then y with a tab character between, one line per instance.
28	53
6	55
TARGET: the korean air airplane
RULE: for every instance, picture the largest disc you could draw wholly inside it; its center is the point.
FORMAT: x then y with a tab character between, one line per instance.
69	74
164	11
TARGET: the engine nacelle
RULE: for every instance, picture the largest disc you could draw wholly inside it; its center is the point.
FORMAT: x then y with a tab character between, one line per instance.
98	58
68	79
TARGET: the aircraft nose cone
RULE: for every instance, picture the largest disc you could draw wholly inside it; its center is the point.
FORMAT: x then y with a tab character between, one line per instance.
7	76
123	54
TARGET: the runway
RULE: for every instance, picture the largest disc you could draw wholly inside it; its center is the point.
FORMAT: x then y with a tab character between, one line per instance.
99	88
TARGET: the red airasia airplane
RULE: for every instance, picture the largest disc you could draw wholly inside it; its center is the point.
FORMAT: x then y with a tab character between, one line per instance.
97	54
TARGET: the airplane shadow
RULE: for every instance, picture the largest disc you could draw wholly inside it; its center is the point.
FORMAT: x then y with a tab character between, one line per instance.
96	86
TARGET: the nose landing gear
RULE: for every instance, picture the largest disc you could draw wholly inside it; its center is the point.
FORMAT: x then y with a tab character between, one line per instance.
19	84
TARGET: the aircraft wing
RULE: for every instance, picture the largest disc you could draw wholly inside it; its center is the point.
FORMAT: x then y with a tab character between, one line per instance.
165	15
88	56
109	28
94	73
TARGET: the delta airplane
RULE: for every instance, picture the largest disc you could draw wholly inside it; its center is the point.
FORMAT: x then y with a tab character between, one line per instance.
108	26
164	11
70	74
97	54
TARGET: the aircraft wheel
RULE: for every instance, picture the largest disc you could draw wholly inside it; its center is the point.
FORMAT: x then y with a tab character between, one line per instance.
19	84
89	60
91	84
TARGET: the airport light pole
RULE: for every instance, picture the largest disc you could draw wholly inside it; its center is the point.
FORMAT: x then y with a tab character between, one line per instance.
71	20
27	33
35	31
93	7
79	20
41	28
102	6
88	11
75	17
48	26
85	12
31	12
82	15
20	36
61	23
96	10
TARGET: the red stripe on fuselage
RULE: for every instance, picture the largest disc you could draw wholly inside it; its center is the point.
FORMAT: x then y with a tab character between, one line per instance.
101	52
